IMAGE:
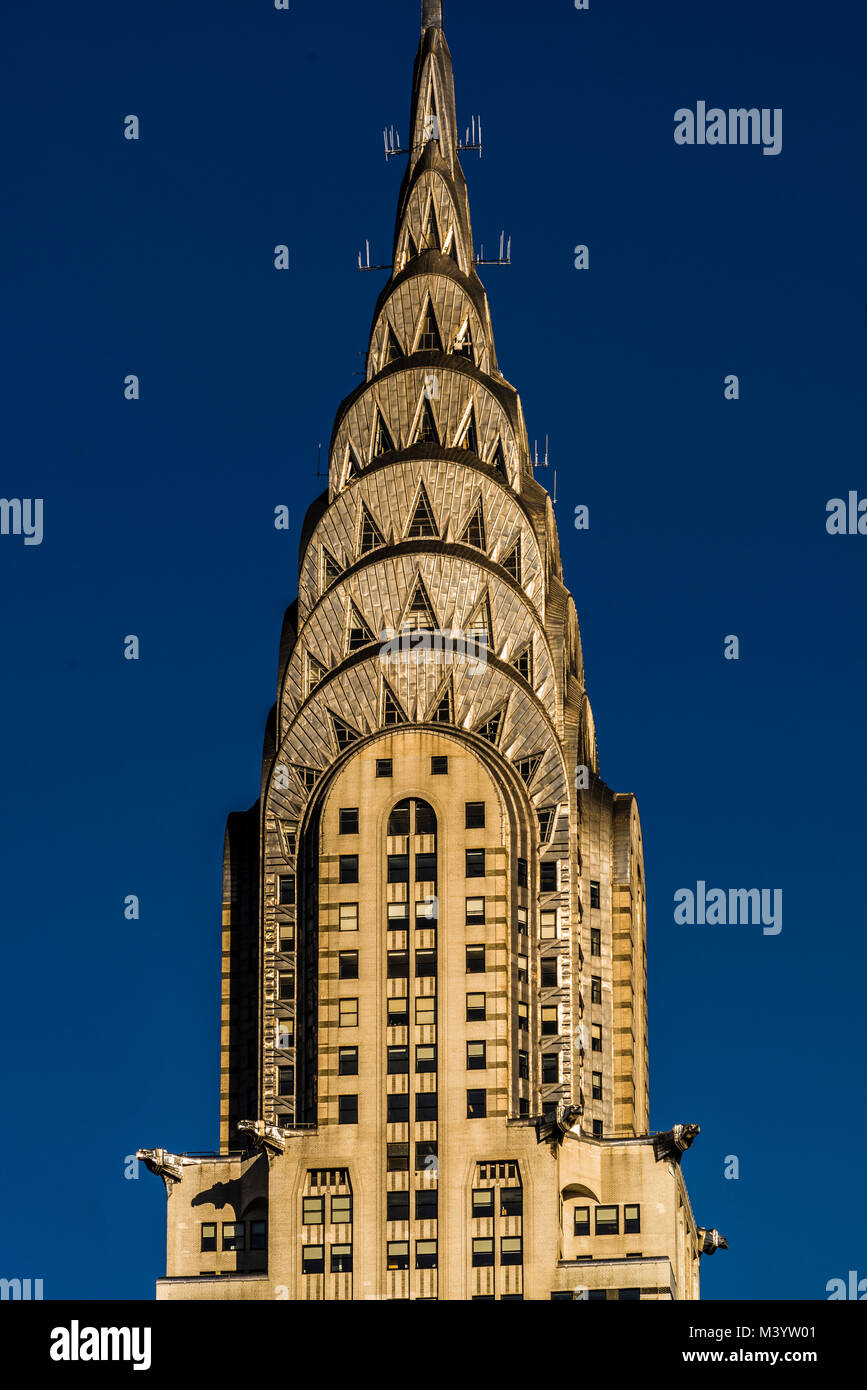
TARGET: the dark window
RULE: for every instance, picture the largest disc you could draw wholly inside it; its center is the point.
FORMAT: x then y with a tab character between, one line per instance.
548	876
425	819
511	1201
209	1235
475	863
524	1066
476	1056
511	1298
397	1254
397	1012
397	1158
348	965
349	868
397	1206
398	868
523	1108
349	820
341	1259
511	1250
258	1235
631	1294
550	1068
426	1206
475	815
425	1156
594	893
397	965
483	1252
425	1106
595	941
597	1085
596	989
287	936
425	868
522	873
631	1220
607	1221
475	1008
581	1219
347	1110
483	1201
523	1017
313	1259
425	963
398	821
549	972
426	1058
233	1235
397	1109
477	1105
439	766
347	1064
596	1037
286	985
475	912
550	1020
285	1081
425	1254
597	1129
475	960
383	767
287	889
398	1061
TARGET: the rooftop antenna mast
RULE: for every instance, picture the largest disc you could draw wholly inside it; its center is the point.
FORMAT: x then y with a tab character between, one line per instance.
504	258
366	265
544	463
473	138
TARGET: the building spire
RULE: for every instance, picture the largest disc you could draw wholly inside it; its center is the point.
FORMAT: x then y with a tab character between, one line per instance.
431	14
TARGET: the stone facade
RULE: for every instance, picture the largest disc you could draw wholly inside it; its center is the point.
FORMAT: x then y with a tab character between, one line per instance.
434	1072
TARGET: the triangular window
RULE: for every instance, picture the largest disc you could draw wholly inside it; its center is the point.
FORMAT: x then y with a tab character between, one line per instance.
450	247
546	818
422	521
358	634
469	439
330	571
490	728
307	776
527	767
344	734
419	613
370	535
429	339
443	711
391	710
523	663
431	235
479	621
382	440
316	673
426	431
474	531
512	562
464	342
351	467
393	350
499	460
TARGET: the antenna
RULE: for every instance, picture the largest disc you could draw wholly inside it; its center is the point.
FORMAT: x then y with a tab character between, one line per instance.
391	140
544	463
365	265
473	138
505	256
319	472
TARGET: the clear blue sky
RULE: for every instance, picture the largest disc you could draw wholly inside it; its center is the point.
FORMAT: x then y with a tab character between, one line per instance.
707	519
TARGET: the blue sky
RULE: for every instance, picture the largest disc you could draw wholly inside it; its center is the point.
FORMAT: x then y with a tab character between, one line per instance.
707	519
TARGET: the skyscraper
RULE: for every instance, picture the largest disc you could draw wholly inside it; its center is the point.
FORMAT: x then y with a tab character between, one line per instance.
434	1035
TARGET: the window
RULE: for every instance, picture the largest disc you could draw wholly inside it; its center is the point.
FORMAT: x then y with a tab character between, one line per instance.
341	1259
397	1061
425	1156
631	1220
347	1061
313	1259
397	1158
347	1110
594	893
596	990
286	985
439	766
477	1105
607	1221
476	1056
595	1037
548	876
425	964
425	819
549	972
397	1109
425	1010
597	1085
510	1250
595	941
631	1294
524	1066
475	815
548	930
258	1235
523	1108
426	1058
397	1254
426	1205
425	1254
425	913
425	1107
341	1210
522	873
348	917
347	962
475	960
397	965
349	868
523	1017
522	921
383	767
209	1235
550	1068
397	1206
475	1008
483	1202
522	969
398	916
286	896
398	1012
483	1252
475	863
597	1129
581	1226
550	1020
349	820
511	1201
398	868
233	1235
285	1081
287	936
475	912
425	868
347	1013
399	820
